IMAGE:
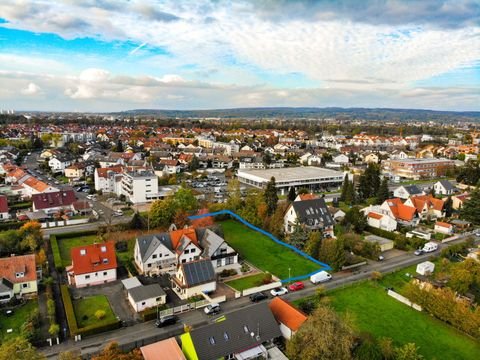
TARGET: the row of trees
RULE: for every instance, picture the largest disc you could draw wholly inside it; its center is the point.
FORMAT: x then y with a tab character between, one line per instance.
369	186
27	239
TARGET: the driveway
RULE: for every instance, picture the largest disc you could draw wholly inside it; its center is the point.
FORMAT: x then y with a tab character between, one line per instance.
116	296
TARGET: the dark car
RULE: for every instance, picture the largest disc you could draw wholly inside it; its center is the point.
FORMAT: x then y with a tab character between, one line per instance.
258	297
166	320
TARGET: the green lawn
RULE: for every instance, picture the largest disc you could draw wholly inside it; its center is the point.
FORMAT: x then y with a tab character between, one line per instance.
264	253
65	245
246	282
85	310
15	321
382	316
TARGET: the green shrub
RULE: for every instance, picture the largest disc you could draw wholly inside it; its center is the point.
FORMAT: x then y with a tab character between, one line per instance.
75	234
69	311
100	314
131	267
228	272
11	225
57	259
99	328
151	314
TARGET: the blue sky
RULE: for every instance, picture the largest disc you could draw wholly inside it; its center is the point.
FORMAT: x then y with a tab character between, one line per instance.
109	55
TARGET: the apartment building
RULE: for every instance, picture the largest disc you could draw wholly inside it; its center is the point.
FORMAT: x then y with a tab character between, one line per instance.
420	168
140	186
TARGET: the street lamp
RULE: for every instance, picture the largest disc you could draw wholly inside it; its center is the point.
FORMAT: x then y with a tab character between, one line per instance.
289	274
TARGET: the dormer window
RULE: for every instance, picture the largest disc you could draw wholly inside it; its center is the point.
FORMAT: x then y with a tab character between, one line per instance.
19	274
105	261
83	252
103	249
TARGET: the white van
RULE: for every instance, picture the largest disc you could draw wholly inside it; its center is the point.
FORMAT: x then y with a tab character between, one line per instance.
429	247
319	277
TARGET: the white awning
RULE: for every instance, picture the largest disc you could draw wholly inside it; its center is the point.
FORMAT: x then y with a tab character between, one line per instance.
252	353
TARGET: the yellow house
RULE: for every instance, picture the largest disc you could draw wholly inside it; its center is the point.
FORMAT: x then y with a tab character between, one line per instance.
21	275
75	171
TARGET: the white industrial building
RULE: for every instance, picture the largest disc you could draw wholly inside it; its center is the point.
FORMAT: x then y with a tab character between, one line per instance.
309	177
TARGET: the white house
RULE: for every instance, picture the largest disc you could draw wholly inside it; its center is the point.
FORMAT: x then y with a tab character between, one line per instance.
140	186
59	163
379	219
222	255
92	265
312	213
443	228
194	278
371	158
108	180
443	187
289	318
405	191
143	297
341	159
18	277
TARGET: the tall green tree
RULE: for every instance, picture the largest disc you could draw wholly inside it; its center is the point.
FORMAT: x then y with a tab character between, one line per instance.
346	184
291	194
323	336
471	209
298	237
313	244
356	219
194	164
234	201
383	192
448	207
119	146
270	196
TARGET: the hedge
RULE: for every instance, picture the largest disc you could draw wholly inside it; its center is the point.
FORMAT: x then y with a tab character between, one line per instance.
19	206
72	320
69	311
76	234
57	259
11	225
382	233
151	314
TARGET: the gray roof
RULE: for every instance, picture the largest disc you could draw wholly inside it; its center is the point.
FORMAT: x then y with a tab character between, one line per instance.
447	185
5	285
146	292
210	242
413	189
234	334
149	243
198	272
313	212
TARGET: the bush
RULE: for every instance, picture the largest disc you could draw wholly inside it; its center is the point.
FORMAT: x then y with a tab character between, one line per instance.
131	267
57	259
69	311
228	272
99	328
245	268
121	246
11	225
151	314
74	234
267	279
100	314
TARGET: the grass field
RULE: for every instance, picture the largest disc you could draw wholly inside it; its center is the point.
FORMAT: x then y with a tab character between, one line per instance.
247	282
264	253
382	316
85	310
16	320
65	245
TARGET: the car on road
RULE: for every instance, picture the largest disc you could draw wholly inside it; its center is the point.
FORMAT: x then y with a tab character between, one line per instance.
166	320
320	276
8	312
118	213
418	252
211	309
279	291
296	286
258	297
91	197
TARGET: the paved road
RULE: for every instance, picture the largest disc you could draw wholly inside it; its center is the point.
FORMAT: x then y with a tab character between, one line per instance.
145	333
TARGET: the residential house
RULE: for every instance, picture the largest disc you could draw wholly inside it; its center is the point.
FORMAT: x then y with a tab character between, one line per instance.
75	171
404	214
54	202
171	167
160	253
380	219
288	316
406	191
242	334
140	186
371	158
443	228
459	200
60	162
32	186
18	277
444	187
168	349
427	206
222	255
313	214
194	278
4	214
108	180
143	297
341	159
92	265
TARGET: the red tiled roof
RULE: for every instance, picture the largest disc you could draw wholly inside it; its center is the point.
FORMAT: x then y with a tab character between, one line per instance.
9	266
3	204
53	199
400	210
102	172
36	184
176	235
287	314
443	224
420	201
307	196
97	257
374	215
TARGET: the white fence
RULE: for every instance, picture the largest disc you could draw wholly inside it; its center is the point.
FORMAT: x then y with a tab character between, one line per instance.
404	300
254	290
51	224
192	306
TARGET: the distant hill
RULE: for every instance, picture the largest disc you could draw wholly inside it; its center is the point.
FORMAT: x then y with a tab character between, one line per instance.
383	114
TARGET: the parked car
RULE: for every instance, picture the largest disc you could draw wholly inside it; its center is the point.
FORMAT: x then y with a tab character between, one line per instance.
258	297
8	312
320	276
118	213
296	286
279	291
418	252
166	320
211	309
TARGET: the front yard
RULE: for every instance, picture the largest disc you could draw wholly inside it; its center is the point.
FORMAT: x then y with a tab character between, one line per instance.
66	244
380	315
246	282
86	308
16	320
264	253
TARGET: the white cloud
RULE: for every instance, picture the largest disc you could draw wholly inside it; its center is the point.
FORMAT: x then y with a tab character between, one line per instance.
32	89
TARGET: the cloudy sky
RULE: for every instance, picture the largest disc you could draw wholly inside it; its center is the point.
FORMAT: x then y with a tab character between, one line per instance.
109	55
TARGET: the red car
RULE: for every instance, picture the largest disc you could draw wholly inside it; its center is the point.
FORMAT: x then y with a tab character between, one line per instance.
296	286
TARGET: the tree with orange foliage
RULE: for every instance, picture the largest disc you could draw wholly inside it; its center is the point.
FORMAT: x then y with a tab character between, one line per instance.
32	235
113	352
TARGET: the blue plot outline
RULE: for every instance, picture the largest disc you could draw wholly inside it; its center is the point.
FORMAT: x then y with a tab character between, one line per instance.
266	233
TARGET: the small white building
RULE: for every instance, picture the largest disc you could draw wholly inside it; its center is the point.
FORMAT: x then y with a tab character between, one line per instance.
444	187
443	228
341	159
381	221
425	268
144	297
406	191
194	278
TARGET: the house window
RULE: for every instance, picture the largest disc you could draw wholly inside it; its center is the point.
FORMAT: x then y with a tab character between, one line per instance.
184	261
143	302
25	285
149	265
158	299
154	256
104	273
160	255
186	251
87	276
219	262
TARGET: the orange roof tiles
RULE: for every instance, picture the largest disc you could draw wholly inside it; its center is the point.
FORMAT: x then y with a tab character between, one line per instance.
307	196
36	184
375	215
9	266
102	172
287	314
401	211
443	224
168	349
93	258
176	235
